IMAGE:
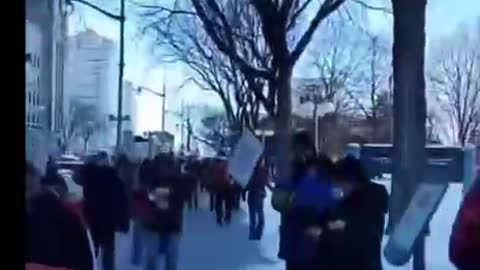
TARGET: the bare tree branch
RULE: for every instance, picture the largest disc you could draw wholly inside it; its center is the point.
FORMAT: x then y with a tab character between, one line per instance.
327	7
374	8
97	8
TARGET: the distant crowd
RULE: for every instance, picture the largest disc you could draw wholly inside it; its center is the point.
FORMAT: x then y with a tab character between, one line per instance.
332	215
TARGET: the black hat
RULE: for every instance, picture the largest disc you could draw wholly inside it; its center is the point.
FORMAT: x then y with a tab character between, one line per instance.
352	168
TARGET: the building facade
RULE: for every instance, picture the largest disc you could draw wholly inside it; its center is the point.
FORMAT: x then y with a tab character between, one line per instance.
130	107
91	79
45	35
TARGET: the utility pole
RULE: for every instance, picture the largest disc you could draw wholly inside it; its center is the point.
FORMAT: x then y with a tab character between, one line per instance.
164	93
189	139
182	124
120	74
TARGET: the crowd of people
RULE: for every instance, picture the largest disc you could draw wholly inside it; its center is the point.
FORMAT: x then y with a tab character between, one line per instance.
332	215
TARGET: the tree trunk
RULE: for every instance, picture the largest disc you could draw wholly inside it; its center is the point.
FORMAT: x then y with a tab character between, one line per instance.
409	155
315	123
283	123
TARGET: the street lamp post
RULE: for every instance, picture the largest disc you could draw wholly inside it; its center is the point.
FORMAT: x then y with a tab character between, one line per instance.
163	95
120	73
321	106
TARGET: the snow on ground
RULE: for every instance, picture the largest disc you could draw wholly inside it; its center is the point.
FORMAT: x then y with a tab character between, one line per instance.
204	245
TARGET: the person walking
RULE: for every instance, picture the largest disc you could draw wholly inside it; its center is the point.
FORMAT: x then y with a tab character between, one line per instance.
256	193
304	154
142	210
105	207
223	197
163	230
352	235
50	227
190	177
465	236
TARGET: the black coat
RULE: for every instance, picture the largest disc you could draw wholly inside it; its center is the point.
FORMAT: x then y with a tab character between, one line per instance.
55	236
358	246
169	221
105	199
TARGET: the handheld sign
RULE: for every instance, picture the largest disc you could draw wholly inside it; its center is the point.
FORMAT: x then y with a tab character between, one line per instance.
244	158
415	219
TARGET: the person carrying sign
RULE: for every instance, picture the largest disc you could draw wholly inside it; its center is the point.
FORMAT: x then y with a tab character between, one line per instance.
256	193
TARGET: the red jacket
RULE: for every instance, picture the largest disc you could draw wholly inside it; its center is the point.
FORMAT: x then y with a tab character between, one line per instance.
221	176
464	249
76	207
142	207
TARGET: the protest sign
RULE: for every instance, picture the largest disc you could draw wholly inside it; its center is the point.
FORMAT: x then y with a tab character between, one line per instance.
245	156
419	212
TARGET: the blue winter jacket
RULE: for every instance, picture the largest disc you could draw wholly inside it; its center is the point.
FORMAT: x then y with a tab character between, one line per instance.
313	199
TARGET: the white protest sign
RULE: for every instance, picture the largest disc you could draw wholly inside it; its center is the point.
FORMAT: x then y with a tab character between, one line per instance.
245	155
420	210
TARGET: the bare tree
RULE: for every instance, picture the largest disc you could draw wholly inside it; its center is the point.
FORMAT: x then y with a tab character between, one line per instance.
372	78
285	37
335	59
83	122
215	131
276	19
184	40
69	131
455	80
354	71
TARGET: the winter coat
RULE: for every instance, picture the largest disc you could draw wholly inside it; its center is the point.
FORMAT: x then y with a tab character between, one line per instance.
220	177
312	200
170	220
142	208
76	207
464	248
55	236
258	182
358	245
105	200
